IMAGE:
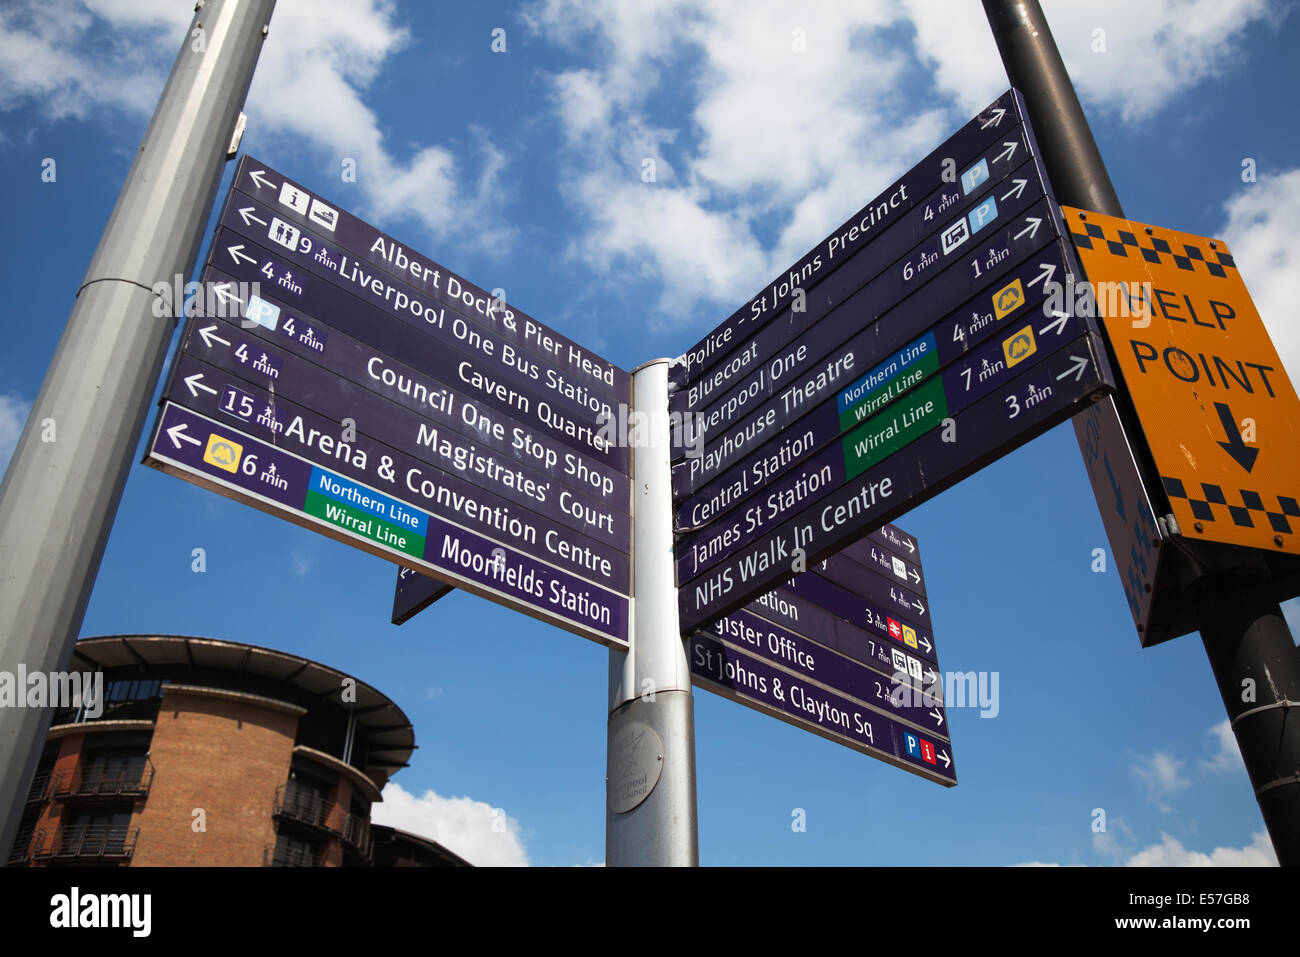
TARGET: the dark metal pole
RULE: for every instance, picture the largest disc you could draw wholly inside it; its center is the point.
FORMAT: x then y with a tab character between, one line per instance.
64	483
1250	648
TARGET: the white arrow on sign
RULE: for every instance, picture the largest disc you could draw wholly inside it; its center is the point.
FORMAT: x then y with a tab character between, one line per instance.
1058	323
1080	364
915	577
1007	153
246	213
222	292
1020	188
237	253
1032	229
910	547
259	178
193	382
938	716
931	675
209	334
919	607
1048	272
928	647
177	434
997	118
947	761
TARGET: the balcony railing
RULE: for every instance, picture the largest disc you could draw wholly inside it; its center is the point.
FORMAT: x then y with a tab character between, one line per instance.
84	841
307	807
96	782
273	856
40	788
18	853
356	831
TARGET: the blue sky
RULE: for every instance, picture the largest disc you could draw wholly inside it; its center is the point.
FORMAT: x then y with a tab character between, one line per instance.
522	170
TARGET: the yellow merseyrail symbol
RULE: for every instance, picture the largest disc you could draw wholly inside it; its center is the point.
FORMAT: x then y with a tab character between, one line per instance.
1008	299
1218	411
1019	345
223	453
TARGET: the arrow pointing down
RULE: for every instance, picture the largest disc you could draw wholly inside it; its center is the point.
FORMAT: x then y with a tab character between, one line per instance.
1241	453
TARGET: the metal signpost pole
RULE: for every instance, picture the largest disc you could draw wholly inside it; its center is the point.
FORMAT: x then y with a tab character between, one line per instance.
1250	648
63	485
650	813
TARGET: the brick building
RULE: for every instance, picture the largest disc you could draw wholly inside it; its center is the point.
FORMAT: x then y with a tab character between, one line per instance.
211	752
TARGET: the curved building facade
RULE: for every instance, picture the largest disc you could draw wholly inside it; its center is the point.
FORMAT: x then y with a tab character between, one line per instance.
208	752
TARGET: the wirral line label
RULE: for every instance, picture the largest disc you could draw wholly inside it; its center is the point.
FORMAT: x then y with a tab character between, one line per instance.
369	526
882	436
235	464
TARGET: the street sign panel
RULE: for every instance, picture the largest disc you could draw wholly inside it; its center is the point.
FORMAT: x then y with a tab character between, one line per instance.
1219	413
722	566
753	682
836	663
223	459
360	389
949	357
952	170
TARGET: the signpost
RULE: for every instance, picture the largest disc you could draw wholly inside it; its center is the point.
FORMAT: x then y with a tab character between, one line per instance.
831	657
1228	592
357	388
950	353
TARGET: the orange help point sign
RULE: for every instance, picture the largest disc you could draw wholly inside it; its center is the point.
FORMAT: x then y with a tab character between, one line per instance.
1219	413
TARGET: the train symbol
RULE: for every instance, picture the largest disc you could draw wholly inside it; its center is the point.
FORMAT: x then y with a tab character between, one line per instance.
1019	346
1008	298
223	453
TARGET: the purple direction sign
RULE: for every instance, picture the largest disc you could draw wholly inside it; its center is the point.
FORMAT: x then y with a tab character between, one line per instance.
215	456
513	513
746	629
753	682
910	344
407	327
960	153
891	693
227	376
813	613
414	593
883	411
585	460
874	553
902	258
872	583
721	569
863	611
261	196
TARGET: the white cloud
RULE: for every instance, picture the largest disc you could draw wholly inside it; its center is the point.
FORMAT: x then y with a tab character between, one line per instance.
13	416
1162	774
61	59
1177	43
1171	853
481	834
84	59
1260	232
1228	756
782	145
